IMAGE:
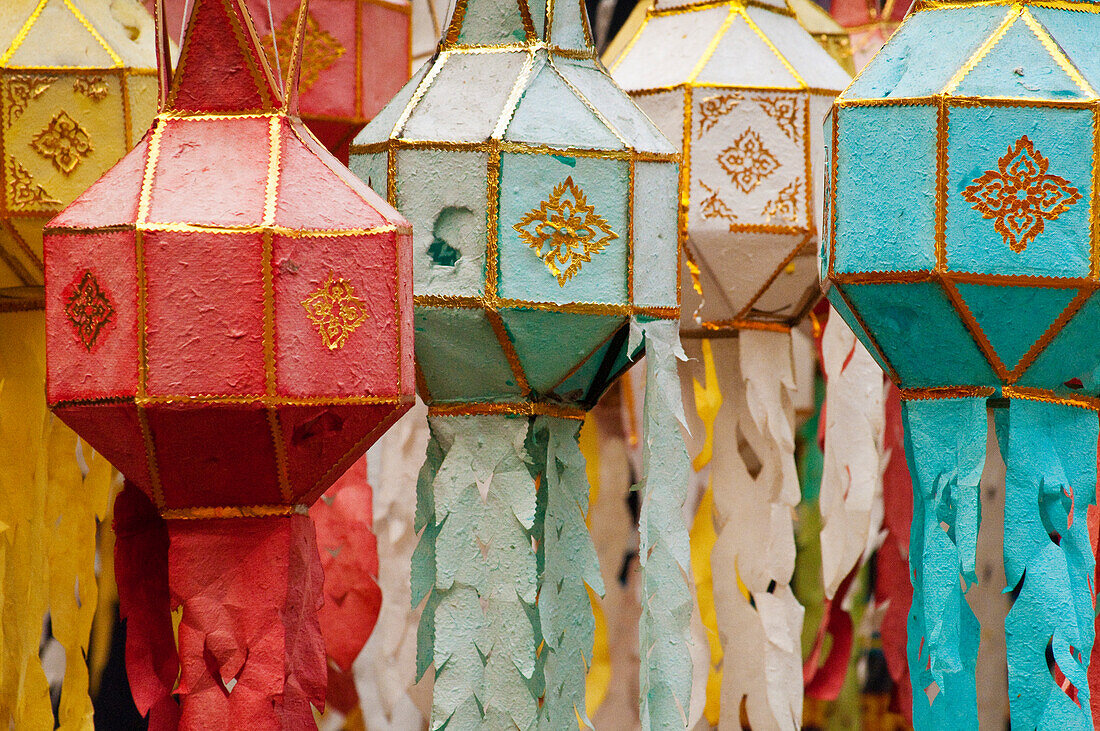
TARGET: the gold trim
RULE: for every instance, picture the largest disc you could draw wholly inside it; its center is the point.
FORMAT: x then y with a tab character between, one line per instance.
984	49
226	229
256	400
525	408
946	392
1045	396
226	512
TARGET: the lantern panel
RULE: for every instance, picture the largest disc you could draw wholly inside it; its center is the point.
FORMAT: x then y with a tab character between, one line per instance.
543	368
906	319
868	240
384	61
1023	146
791	41
616	109
903	68
96	322
347	286
466	96
745	59
666	109
450	189
540	197
1010	339
680	37
220	295
195	188
530	122
327	80
115	430
999	69
454	367
319	440
118	206
1068	364
1075	39
654	247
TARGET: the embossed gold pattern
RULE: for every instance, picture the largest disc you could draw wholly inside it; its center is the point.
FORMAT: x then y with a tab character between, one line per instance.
713	206
784	110
25	193
335	310
568	227
785	204
713	108
93	87
1020	196
63	142
88	309
747	161
21	89
320	49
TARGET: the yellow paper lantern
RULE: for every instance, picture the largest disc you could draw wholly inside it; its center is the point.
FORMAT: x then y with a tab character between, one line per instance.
79	82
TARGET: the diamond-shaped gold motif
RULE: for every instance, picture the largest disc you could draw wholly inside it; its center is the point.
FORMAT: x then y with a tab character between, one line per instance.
88	309
319	51
747	161
568	227
1020	196
63	142
335	310
25	193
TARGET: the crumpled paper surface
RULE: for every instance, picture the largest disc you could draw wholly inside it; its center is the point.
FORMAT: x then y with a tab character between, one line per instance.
664	637
945	444
1049	487
476	570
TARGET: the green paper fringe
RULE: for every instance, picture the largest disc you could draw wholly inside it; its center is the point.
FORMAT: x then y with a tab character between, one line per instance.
664	636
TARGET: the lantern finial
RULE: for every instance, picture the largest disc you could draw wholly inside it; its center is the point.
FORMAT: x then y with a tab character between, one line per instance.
231	75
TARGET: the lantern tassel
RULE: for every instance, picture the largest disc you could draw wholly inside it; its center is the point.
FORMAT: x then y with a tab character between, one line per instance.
476	567
1050	485
664	633
945	441
251	652
756	489
568	568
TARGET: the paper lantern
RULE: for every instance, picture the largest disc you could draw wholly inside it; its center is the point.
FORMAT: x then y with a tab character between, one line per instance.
228	317
356	56
543	205
743	89
869	24
829	34
973	285
79	86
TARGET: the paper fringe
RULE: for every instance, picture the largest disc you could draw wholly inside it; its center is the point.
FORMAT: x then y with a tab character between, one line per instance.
386	668
250	646
476	569
755	492
851	482
664	628
1049	488
946	448
568	569
47	537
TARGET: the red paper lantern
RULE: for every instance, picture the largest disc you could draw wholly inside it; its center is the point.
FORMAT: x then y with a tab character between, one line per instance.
356	56
228	320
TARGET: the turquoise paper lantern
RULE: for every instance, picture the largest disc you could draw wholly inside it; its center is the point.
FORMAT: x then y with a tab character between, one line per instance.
961	244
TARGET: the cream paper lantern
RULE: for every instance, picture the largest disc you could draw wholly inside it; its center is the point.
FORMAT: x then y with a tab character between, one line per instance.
744	88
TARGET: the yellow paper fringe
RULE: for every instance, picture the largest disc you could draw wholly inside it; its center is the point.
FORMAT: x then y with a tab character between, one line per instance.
49	538
598	679
708	400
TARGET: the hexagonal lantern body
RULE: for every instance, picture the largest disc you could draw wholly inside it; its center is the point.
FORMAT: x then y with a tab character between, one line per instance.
228	310
963	183
79	85
355	58
742	88
528	228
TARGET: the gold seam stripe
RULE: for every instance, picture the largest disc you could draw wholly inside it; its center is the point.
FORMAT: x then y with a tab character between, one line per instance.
707	4
233	511
712	46
23	32
271	192
946	392
292	233
768	41
710	328
509	349
812	90
151	458
1056	53
584	100
145	197
512	103
282	474
473	49
926	275
259	400
487	302
81	70
1094	213
984	49
1081	7
95	34
962	102
1039	394
493	144
524	408
942	174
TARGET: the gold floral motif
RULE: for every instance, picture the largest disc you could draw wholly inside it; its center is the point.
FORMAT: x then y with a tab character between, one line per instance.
21	89
93	87
88	309
785	204
784	110
24	192
335	310
714	207
568	227
713	108
63	142
319	51
748	162
1020	196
